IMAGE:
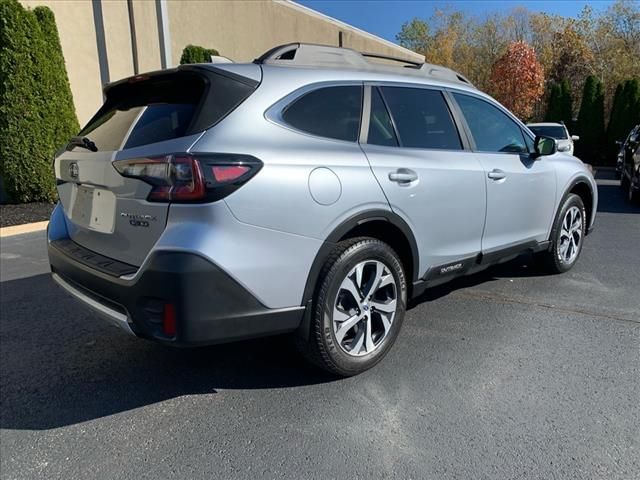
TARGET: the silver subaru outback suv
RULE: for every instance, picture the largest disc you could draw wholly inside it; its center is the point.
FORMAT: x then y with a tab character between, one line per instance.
313	191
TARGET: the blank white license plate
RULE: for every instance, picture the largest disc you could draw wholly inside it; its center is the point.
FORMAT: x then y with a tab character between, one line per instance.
93	208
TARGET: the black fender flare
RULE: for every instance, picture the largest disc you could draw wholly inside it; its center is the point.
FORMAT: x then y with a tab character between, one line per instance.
567	191
345	227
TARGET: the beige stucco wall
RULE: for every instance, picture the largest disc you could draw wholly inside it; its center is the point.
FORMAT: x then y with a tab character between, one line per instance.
240	30
244	29
144	12
118	39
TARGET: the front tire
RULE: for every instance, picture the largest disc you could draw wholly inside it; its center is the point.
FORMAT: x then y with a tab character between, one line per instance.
358	308
567	236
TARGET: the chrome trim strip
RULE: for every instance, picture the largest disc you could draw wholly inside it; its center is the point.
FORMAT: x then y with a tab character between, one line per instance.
116	318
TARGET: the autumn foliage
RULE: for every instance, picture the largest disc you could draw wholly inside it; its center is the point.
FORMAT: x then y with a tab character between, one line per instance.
518	79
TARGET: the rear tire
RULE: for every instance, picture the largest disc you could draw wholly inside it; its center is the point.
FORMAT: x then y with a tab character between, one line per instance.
358	307
567	236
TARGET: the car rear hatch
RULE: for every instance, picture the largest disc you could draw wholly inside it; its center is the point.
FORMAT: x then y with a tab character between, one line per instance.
117	179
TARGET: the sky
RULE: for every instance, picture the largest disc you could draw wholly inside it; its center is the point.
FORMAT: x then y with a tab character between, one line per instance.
385	17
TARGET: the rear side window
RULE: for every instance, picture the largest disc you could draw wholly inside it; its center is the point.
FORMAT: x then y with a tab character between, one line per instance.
381	130
332	112
492	129
422	118
163	107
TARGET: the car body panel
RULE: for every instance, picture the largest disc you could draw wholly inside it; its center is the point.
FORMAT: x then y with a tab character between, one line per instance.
446	205
520	205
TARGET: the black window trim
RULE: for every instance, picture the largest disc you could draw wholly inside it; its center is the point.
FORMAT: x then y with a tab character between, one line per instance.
463	122
456	115
275	112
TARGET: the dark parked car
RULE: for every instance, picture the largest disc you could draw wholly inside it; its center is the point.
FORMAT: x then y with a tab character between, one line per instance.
630	172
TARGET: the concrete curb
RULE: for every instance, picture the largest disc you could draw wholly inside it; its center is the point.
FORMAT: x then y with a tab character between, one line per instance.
26	228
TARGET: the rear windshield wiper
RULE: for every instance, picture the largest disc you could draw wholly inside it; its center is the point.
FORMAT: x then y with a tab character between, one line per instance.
84	142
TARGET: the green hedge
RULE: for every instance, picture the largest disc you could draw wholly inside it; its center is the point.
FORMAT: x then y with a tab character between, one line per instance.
591	147
560	104
36	108
196	54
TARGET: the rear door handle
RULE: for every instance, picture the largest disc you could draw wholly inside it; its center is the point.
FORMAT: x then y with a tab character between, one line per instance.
403	175
496	174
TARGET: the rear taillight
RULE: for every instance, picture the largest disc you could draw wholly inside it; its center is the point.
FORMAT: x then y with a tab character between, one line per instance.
228	173
189	178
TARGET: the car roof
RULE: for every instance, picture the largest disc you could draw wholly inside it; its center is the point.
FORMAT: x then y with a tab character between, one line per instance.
300	75
328	74
340	58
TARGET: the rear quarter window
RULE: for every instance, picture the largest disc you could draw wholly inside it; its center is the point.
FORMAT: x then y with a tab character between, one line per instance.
331	112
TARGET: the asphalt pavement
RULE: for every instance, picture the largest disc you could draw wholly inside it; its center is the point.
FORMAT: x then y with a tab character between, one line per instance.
510	374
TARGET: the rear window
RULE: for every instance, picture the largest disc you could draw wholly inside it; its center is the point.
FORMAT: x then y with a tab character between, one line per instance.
552	131
163	107
332	112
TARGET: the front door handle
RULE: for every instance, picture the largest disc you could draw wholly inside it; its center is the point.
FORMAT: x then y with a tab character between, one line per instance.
496	174
403	176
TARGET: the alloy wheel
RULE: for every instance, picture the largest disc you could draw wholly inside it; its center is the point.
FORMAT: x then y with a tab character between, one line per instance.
570	235
364	308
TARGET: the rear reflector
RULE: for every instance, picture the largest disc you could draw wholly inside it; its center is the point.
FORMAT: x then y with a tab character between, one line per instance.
169	320
187	178
229	173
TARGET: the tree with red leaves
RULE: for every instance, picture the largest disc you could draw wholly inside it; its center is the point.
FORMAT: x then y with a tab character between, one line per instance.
517	79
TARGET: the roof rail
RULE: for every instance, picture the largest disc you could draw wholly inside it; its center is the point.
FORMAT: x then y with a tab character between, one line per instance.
410	63
314	55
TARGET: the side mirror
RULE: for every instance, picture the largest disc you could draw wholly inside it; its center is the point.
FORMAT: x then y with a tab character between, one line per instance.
545	146
575	138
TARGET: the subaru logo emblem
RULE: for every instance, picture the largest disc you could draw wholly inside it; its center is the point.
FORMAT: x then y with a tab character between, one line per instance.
73	170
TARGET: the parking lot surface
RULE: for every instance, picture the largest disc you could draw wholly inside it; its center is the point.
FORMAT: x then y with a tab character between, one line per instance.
506	374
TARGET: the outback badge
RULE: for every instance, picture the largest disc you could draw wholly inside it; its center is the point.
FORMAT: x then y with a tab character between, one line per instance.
137	219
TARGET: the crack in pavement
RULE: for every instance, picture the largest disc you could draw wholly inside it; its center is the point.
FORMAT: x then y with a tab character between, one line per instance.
523	301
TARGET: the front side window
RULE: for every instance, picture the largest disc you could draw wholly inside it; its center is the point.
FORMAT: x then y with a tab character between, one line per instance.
529	142
332	112
492	129
422	118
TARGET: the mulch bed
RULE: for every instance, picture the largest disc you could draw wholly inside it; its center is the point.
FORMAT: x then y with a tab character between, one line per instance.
24	213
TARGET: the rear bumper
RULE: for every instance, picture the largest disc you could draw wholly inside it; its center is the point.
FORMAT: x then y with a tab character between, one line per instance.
210	306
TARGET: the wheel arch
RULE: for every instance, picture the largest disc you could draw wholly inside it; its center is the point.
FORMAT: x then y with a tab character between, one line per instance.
582	187
381	224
